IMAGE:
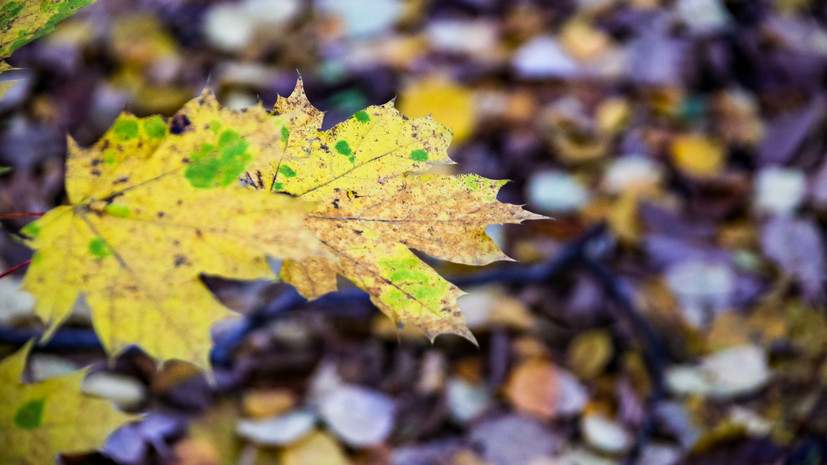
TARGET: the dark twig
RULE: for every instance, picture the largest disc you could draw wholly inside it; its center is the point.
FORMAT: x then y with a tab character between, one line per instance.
652	350
15	268
13	215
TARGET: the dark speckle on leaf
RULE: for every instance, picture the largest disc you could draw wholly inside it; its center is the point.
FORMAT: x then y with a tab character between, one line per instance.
180	123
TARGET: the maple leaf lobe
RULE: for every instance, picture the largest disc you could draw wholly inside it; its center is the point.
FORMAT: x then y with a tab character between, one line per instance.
152	208
373	208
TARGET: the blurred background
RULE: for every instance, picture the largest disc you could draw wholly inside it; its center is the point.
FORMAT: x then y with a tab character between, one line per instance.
672	313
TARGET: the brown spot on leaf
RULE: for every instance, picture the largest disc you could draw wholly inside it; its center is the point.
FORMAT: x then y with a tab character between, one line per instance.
180	123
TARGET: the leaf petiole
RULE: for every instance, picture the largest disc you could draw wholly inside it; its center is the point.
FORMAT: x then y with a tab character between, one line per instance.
15	268
7	216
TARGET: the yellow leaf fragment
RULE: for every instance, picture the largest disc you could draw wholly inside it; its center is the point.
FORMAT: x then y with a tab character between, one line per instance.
22	21
154	204
38	421
447	102
5	86
318	448
372	208
697	155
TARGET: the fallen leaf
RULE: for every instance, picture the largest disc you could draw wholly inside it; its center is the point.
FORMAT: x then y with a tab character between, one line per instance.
136	236
589	353
317	449
41	420
24	21
211	438
795	245
447	102
697	155
540	388
372	209
267	403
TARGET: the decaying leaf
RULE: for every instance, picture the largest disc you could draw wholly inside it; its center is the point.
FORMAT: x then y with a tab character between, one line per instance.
372	209
41	420
22	21
153	206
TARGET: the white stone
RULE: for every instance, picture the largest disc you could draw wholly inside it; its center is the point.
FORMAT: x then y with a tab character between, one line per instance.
702	16
15	303
125	391
702	287
228	27
779	190
272	11
360	20
729	373
279	431
571	395
459	36
543	57
605	434
466	401
556	191
359	416
631	172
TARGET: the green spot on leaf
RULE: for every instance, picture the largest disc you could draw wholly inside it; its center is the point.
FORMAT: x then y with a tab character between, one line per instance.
408	275
362	117
419	155
98	248
109	159
215	126
285	134
344	148
278	186
286	171
125	129
219	165
116	210
155	127
30	414
37	257
472	183
32	230
8	12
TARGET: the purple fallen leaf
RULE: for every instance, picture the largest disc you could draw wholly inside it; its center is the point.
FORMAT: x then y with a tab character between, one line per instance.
794	245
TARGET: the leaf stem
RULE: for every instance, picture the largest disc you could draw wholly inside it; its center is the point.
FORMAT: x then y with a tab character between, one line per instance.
7	216
15	268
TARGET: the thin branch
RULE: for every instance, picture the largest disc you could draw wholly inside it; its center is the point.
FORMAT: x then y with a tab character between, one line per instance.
13	215
652	348
15	268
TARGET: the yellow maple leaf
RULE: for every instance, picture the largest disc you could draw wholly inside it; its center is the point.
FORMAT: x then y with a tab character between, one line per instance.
372	209
22	21
38	421
153	206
